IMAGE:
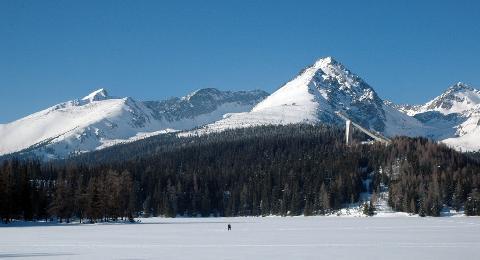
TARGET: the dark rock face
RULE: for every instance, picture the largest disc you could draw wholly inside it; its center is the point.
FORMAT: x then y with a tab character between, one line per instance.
200	102
349	93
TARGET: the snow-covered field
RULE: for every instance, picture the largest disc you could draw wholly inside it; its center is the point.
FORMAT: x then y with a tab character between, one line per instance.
250	238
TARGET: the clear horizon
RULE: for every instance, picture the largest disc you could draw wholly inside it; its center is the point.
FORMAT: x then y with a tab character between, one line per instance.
57	51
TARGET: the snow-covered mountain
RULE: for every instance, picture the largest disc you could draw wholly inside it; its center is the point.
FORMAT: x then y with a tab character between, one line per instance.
99	120
454	117
315	94
458	98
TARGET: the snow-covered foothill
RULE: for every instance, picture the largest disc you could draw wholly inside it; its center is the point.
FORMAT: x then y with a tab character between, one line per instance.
99	120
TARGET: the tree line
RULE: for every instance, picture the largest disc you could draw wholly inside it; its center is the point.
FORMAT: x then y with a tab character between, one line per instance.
423	177
279	170
30	192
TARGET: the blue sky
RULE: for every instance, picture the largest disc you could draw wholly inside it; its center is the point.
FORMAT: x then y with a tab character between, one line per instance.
53	51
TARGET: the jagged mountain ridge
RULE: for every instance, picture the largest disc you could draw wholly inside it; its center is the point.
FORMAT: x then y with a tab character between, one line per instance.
99	120
199	102
314	96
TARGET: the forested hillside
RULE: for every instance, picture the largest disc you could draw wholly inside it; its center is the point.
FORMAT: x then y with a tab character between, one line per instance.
280	170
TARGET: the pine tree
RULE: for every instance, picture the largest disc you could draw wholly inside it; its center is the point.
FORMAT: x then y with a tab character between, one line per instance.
94	210
324	200
413	206
458	196
472	205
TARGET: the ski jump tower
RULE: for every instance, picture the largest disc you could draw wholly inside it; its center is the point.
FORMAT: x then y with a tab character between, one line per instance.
349	124
348	131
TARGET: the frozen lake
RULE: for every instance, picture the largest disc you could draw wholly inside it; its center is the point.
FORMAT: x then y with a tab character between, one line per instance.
251	238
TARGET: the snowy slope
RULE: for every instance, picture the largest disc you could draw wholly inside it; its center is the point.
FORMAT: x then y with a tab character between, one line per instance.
468	138
99	120
315	94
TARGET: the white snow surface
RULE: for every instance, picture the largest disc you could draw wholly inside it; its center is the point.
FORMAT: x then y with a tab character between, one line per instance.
397	123
470	140
250	238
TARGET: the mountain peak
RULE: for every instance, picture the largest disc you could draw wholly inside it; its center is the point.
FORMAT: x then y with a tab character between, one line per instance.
458	98
459	86
211	92
319	90
322	62
97	95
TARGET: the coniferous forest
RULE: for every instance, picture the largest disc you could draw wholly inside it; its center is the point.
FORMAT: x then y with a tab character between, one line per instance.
279	170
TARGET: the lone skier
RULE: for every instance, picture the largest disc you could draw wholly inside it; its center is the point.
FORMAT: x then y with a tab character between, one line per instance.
229	227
